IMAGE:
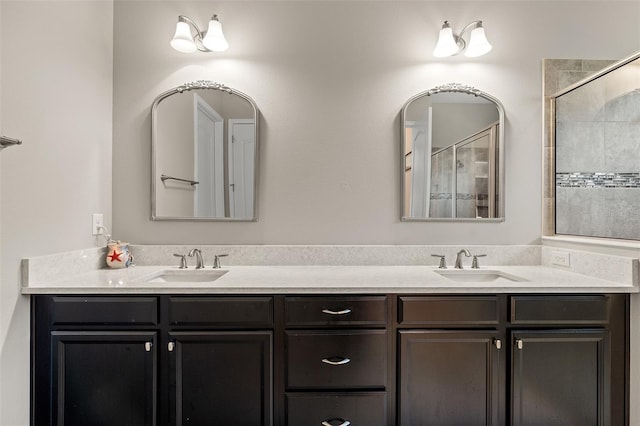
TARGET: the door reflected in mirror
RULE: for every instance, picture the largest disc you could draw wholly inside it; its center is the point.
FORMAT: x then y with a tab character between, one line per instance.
204	154
452	161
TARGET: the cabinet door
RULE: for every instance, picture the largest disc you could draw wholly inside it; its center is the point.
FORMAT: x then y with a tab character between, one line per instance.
450	378
560	378
103	378
221	378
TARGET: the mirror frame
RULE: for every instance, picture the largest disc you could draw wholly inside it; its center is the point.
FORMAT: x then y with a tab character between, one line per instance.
455	88
203	84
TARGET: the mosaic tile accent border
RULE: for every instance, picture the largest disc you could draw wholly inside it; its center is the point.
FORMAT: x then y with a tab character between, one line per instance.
460	196
598	180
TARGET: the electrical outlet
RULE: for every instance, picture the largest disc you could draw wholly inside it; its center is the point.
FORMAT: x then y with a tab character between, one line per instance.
560	258
98	223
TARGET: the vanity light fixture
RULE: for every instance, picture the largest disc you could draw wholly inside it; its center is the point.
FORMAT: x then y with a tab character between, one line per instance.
211	40
450	44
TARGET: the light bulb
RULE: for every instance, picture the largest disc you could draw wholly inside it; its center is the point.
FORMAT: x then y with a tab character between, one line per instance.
446	45
478	43
182	40
214	39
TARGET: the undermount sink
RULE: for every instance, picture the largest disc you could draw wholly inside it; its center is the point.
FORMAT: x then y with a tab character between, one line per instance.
478	275
187	276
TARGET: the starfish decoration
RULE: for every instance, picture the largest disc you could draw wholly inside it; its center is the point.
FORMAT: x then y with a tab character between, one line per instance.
115	256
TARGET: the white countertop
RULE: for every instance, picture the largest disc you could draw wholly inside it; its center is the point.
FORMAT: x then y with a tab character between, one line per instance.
301	279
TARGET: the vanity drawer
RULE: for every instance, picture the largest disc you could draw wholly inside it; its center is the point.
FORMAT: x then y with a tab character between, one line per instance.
560	309
311	311
221	311
449	310
98	310
336	360
357	408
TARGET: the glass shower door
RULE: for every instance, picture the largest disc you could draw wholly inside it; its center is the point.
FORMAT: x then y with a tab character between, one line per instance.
474	186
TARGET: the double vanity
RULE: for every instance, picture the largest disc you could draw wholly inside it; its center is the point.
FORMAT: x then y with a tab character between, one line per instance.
330	344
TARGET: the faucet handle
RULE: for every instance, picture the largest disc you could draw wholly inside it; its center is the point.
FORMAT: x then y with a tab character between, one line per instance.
183	260
474	262
443	262
216	260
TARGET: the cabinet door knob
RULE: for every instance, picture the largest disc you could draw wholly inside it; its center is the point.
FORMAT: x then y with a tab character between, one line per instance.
332	422
148	346
336	361
171	346
519	343
331	312
498	343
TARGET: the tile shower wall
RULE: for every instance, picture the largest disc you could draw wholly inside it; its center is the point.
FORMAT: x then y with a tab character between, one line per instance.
597	155
558	74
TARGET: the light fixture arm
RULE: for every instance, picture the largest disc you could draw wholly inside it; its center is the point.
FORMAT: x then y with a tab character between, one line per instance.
200	35
472	25
459	39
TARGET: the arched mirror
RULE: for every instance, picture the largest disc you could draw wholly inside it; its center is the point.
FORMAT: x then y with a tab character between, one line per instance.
452	155
204	143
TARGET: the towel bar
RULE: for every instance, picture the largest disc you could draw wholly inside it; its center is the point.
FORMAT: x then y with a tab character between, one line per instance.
6	141
189	181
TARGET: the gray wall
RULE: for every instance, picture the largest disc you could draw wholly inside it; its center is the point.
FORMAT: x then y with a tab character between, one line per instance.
330	79
57	97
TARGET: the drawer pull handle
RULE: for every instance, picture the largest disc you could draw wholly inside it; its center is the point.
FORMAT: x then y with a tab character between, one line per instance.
519	343
331	312
336	361
171	346
498	344
332	422
147	346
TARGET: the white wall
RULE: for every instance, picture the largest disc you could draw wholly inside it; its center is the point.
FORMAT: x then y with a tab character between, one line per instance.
330	79
57	74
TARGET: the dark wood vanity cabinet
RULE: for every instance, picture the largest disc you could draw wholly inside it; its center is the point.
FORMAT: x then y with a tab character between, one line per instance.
451	360
450	378
94	360
103	377
220	378
375	360
336	360
529	360
569	360
220	360
147	361
559	377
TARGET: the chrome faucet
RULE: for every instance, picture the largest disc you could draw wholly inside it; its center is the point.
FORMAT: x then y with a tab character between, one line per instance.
458	264
198	254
